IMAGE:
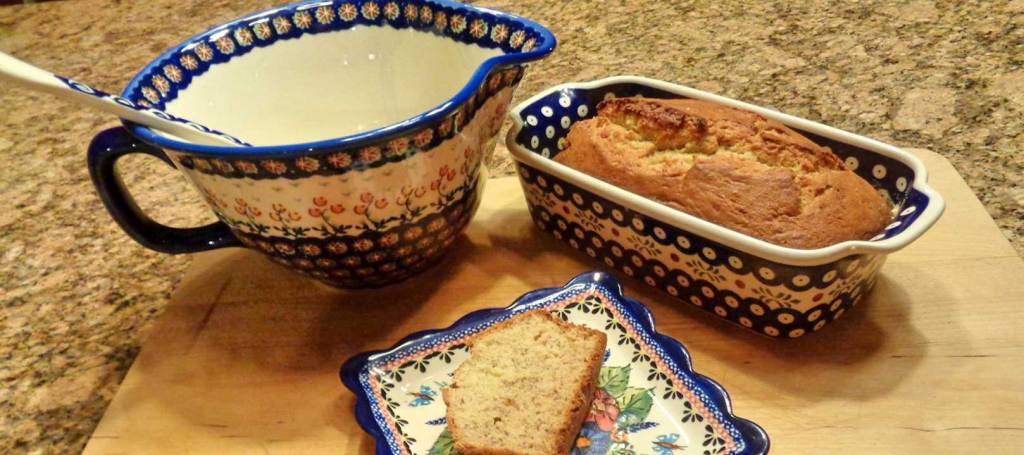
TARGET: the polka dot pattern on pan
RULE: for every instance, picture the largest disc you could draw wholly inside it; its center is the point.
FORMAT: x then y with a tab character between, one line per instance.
774	299
768	297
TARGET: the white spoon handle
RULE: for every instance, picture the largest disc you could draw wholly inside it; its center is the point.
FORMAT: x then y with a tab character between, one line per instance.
32	77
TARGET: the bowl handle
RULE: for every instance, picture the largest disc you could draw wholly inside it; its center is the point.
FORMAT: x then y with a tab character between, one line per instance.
104	151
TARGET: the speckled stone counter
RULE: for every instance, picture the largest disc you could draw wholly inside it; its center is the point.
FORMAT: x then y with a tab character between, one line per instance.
76	294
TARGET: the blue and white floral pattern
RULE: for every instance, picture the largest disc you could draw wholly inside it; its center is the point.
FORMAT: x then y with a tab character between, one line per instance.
337	210
443	18
648	396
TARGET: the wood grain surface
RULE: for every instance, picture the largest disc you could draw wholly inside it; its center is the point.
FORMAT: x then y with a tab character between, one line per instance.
245	358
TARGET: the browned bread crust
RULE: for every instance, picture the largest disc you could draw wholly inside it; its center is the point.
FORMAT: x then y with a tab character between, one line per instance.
731	167
582	393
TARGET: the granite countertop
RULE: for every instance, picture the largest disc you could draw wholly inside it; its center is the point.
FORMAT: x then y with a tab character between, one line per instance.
76	294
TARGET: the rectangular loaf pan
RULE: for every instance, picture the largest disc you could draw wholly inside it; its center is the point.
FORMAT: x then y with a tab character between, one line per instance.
774	290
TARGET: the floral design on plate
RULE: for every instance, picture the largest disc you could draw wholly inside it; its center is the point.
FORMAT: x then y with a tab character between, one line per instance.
649	400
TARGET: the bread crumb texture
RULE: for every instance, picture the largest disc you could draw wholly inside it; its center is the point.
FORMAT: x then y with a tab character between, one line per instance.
526	387
732	167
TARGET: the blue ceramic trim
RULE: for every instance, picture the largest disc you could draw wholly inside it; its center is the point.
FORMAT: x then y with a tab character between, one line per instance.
83	88
751	439
544	39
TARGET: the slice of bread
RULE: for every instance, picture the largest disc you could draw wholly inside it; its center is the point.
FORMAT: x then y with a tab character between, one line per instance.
526	387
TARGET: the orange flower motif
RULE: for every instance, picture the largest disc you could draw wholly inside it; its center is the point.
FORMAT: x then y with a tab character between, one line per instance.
324	15
274	166
307	164
347	12
398	146
435	225
445	127
337	208
370	10
381	203
366	197
604	410
420	191
225	45
340	160
413	233
246	167
337	247
440	20
315	212
369	154
310	250
254	212
319	201
517	38
363	245
389	239
391	11
423	138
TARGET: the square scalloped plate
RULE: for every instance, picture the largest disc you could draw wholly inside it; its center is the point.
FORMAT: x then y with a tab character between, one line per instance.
649	400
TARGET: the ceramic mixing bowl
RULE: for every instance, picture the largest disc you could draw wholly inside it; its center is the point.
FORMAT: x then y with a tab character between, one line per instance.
770	289
371	119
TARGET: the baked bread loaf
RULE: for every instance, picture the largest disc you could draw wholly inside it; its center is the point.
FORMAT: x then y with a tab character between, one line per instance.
526	387
731	167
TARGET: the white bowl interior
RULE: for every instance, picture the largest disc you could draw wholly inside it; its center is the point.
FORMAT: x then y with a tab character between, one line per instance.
327	85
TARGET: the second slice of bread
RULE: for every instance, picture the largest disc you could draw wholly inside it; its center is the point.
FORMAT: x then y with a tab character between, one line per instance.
526	387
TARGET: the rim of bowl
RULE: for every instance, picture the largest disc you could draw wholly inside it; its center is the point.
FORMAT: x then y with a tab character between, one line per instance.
546	44
712	231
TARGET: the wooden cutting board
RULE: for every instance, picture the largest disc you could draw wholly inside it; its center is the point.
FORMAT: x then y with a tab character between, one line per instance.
245	357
